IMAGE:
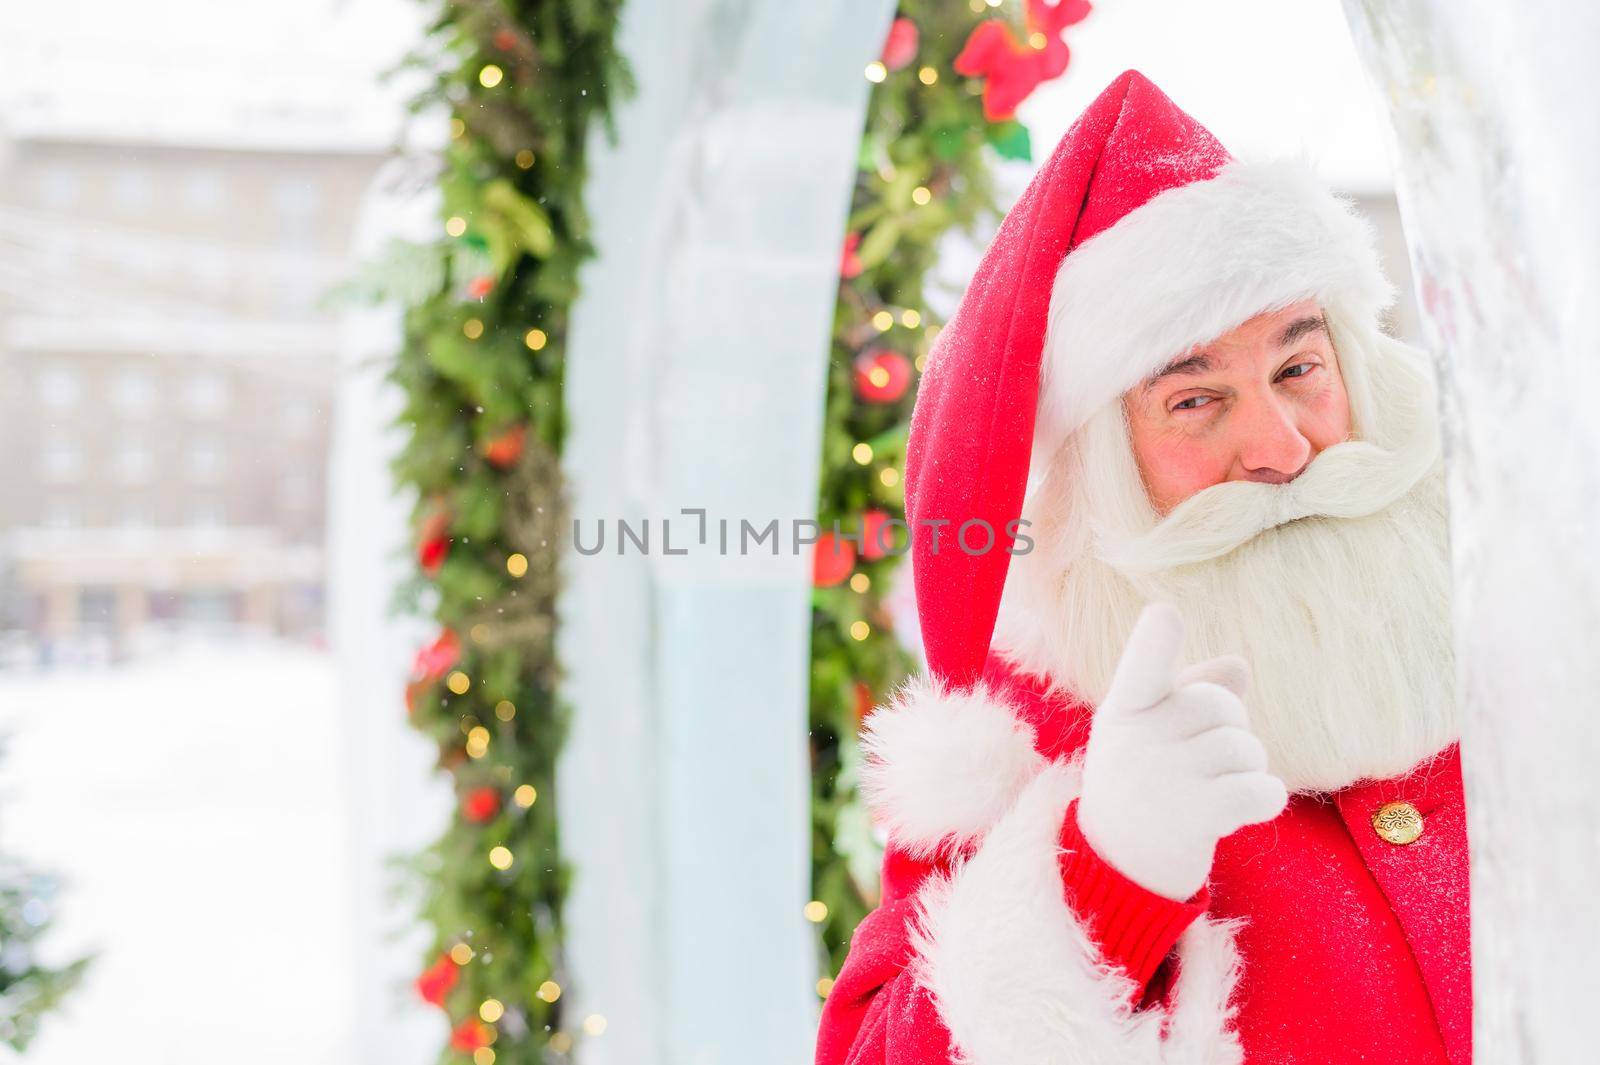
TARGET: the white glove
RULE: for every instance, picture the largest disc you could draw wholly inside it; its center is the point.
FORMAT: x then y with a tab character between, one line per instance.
1171	765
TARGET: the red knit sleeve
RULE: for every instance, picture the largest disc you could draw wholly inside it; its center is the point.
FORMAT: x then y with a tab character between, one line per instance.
1135	928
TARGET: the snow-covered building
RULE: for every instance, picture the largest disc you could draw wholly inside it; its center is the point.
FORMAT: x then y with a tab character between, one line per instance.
169	228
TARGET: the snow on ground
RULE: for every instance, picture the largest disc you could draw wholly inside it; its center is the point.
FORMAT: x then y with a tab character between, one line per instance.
194	810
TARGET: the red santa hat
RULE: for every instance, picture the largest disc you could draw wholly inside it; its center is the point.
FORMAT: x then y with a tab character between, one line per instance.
1139	238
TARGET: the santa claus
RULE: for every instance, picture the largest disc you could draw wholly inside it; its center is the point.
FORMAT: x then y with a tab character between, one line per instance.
1181	782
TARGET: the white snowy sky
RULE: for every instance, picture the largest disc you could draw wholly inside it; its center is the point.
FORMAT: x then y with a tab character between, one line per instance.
289	74
1267	76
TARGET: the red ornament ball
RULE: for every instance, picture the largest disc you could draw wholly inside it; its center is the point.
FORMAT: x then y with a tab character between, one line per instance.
503	450
480	286
480	804
877	540
433	541
437	659
882	376
437	980
850	264
864	701
900	47
835	557
469	1035
432	553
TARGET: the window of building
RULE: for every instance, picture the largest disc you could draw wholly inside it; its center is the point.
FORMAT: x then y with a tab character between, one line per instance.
58	186
59	386
208	514
133	392
61	460
132	190
61	514
204	460
205	192
133	463
206	394
135	516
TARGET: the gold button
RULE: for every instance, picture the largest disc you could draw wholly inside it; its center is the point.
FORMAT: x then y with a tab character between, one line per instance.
1398	822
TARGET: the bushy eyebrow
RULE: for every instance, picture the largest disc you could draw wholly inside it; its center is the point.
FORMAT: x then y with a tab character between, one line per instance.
1189	364
1301	327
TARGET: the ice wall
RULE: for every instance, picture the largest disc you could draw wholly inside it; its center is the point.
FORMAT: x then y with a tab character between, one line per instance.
1497	151
698	361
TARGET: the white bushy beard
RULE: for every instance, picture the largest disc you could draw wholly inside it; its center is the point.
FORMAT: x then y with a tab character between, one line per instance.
1335	587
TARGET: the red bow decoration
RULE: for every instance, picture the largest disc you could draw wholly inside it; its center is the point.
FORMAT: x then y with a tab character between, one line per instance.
1012	69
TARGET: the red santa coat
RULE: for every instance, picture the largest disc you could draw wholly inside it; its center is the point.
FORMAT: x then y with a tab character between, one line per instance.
1002	939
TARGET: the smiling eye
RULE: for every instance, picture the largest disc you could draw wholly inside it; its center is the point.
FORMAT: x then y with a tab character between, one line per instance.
1308	367
1182	403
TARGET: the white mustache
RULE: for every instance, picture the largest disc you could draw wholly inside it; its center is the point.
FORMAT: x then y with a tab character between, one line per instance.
1350	479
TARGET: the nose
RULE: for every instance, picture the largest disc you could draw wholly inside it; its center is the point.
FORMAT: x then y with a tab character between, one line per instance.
1271	447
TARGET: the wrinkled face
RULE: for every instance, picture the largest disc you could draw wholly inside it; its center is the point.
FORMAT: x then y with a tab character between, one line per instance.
1256	404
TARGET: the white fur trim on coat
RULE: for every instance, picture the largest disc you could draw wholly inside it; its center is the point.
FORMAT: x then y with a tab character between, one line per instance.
1191	264
942	766
1016	979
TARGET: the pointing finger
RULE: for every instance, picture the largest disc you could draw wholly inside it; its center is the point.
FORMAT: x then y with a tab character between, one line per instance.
1149	662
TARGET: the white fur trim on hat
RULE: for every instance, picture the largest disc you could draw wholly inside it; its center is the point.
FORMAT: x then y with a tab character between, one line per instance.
1016	979
1191	264
942	766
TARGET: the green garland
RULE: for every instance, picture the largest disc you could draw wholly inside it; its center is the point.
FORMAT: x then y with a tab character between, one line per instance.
482	368
922	171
